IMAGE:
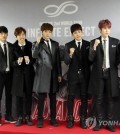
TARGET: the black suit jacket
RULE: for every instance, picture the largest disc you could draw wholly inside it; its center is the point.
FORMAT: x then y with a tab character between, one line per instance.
73	62
2	57
97	58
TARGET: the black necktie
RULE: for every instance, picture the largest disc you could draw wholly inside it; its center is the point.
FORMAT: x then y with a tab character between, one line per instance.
48	45
5	53
79	46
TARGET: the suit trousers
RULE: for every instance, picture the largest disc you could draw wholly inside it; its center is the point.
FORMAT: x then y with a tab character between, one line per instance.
5	82
83	96
52	97
104	90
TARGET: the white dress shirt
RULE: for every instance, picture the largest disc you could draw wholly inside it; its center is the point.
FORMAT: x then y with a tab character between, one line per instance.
80	43
107	52
2	46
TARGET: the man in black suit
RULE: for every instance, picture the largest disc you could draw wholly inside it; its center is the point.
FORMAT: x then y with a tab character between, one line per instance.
104	53
48	72
5	73
76	57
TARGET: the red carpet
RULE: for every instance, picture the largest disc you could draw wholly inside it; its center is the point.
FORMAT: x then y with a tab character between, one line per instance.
8	128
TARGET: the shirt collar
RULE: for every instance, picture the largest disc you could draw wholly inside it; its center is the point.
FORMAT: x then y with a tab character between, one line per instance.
78	41
104	39
47	40
21	44
2	43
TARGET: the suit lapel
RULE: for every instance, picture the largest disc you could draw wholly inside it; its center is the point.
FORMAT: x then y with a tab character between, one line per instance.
52	47
44	46
101	46
110	47
83	47
74	44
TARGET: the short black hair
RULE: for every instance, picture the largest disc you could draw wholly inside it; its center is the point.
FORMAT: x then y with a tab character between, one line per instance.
19	30
46	26
75	27
3	29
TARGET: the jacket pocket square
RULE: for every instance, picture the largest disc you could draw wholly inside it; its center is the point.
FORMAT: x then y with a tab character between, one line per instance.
113	45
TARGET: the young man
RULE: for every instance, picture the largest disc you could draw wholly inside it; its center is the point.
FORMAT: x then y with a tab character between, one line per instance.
23	75
104	53
76	57
5	73
48	72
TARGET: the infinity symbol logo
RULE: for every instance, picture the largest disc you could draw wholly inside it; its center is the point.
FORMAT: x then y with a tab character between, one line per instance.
60	9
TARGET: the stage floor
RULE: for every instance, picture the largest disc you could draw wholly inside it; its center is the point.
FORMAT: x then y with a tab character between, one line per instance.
8	128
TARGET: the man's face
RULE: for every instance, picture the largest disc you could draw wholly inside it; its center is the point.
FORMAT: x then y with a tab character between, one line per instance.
77	35
3	37
21	38
46	34
105	32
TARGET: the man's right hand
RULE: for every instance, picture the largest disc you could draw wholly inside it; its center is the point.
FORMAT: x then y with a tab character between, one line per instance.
97	41
72	51
20	60
38	39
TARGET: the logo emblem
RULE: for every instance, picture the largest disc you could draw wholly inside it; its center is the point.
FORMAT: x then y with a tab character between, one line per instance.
91	122
58	10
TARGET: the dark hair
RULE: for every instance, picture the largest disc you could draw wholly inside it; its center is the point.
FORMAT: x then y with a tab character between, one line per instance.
75	27
46	26
104	23
19	30
3	29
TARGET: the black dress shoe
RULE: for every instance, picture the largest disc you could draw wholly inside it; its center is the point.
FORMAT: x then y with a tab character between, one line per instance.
111	128
97	127
70	123
54	122
40	123
9	119
19	122
28	121
83	124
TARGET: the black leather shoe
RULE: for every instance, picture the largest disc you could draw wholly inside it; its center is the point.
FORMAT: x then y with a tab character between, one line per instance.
40	123
70	123
54	122
9	119
97	127
19	122
83	123
111	128
28	121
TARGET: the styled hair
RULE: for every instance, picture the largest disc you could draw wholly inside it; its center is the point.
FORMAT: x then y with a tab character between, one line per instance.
3	29
104	23
46	26
19	30
75	27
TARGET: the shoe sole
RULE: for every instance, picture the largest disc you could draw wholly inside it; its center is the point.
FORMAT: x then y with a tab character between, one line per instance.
10	121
